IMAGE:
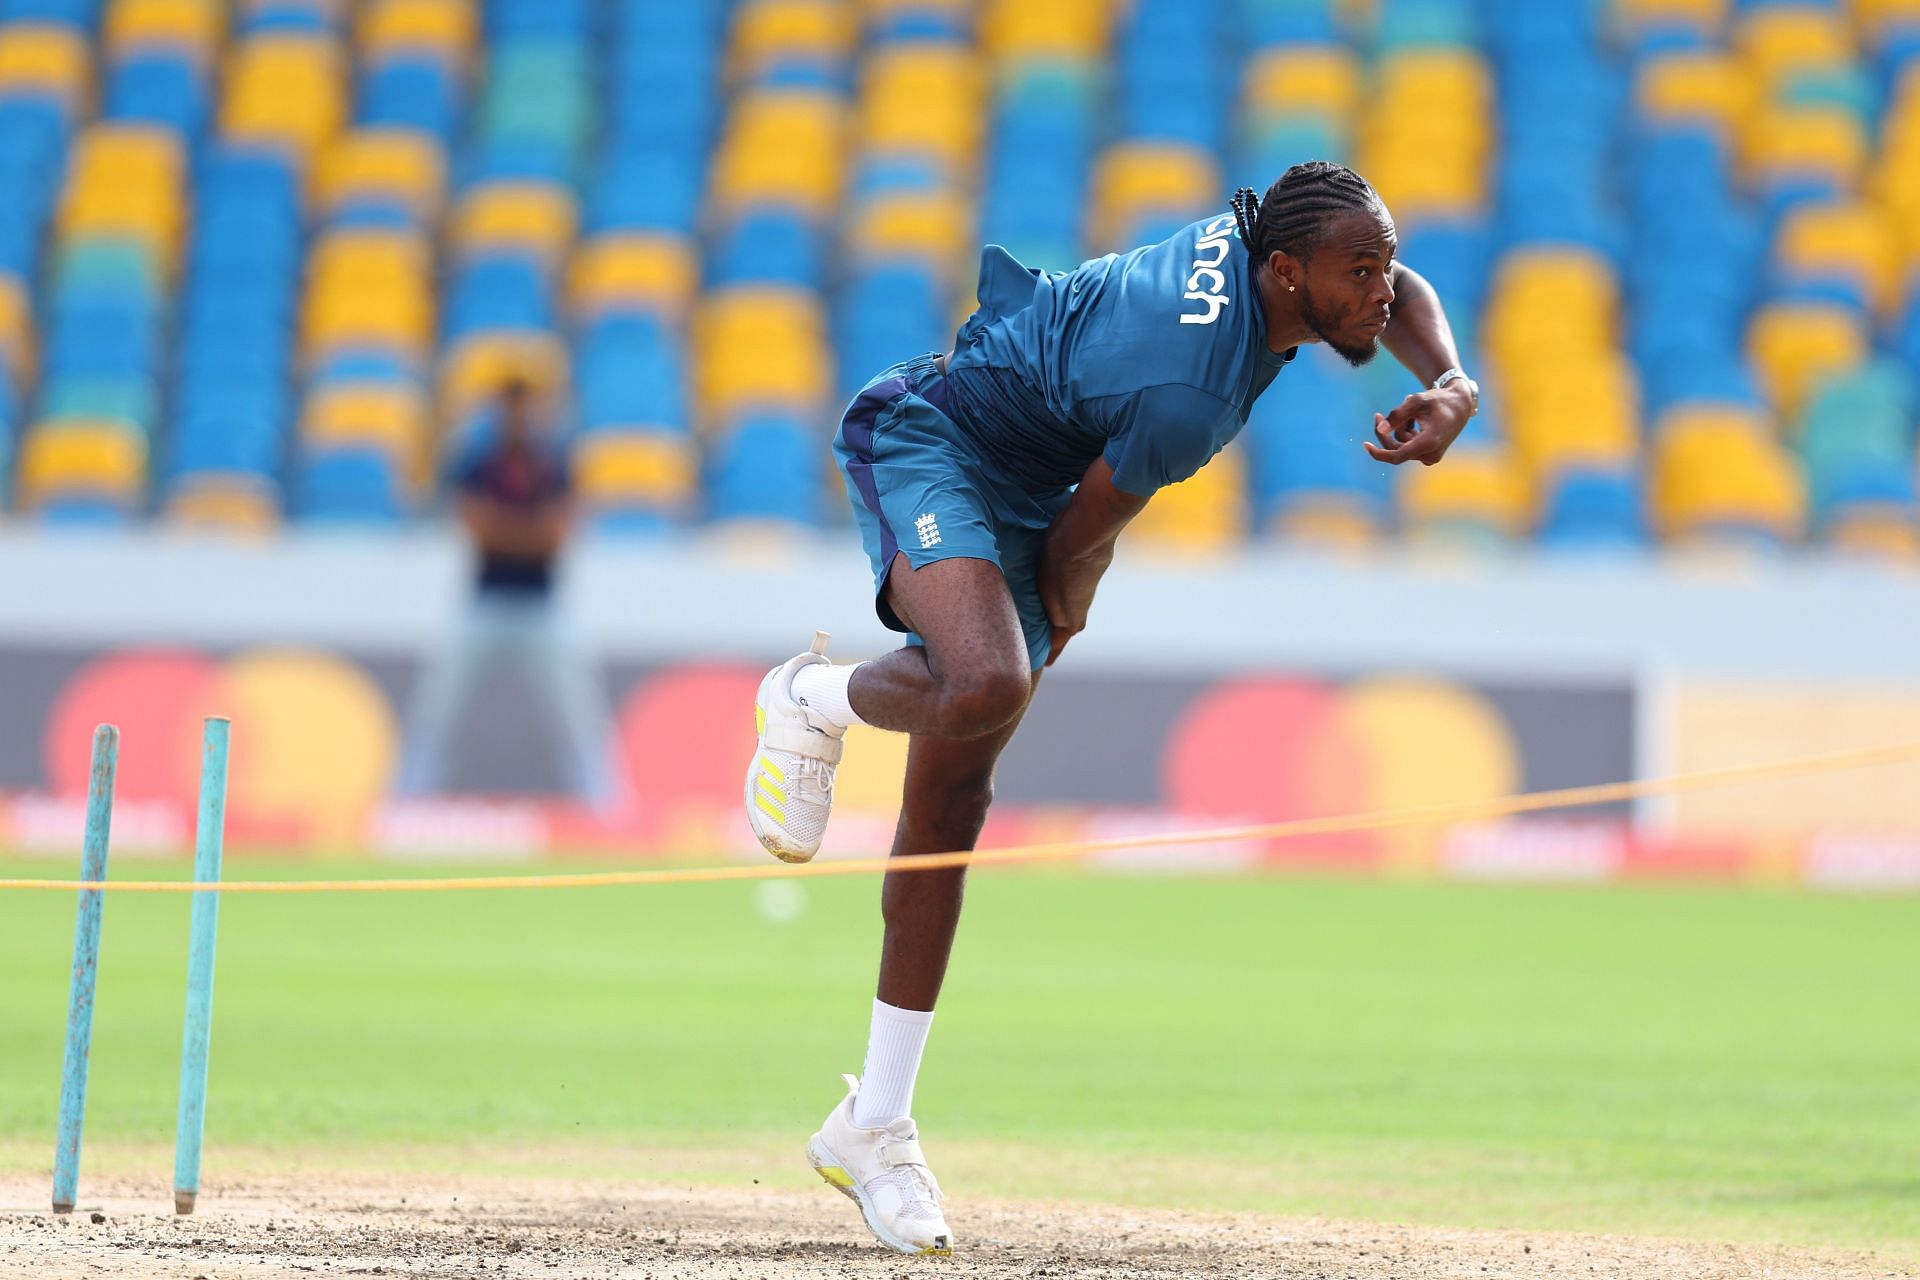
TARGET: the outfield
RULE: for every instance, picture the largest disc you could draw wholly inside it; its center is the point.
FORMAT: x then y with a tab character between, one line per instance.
1711	1064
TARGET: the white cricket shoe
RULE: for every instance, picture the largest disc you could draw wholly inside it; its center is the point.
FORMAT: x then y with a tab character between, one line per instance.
790	782
885	1173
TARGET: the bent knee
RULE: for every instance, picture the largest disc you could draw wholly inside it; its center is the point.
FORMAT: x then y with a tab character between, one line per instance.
983	700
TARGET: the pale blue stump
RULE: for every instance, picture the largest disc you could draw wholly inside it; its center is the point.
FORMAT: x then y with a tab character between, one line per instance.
209	835
86	968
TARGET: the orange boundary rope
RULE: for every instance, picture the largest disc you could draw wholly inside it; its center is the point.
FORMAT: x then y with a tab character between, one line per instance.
1445	814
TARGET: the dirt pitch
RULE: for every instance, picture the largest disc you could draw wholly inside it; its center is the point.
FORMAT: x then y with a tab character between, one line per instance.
596	1230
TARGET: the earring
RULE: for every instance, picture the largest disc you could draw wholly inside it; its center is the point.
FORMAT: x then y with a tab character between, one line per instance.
1289	288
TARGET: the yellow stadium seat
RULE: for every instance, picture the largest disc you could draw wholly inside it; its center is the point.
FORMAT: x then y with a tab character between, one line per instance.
1853	241
768	31
1796	345
1133	178
1020	30
369	288
874	10
1478	492
759	347
635	271
442	27
1578	412
475	368
1575	278
784	369
1775	41
194	26
243	504
932	226
395	166
737	310
374	251
124	181
16	328
923	99
528	217
285	91
784	148
637	468
1706	16
1713	474
68	457
381	415
1420	183
902	70
1818	142
1289	80
1436	74
1204	513
45	58
1696	86
399	320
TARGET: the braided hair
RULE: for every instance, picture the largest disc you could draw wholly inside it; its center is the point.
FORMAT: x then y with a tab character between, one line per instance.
1293	217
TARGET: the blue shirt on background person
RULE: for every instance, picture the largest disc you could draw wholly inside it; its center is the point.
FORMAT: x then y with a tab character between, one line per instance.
512	483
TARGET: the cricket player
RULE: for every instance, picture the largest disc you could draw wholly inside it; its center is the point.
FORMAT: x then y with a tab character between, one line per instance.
990	484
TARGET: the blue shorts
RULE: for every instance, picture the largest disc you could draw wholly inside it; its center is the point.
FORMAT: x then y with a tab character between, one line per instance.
918	487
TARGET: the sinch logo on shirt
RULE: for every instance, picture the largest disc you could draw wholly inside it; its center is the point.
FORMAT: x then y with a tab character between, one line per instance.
1215	240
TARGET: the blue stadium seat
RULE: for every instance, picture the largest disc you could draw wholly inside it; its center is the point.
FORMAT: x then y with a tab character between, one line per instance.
1270	22
158	88
645	192
512	20
72	13
207	440
751	470
286	17
631	374
1594	511
771	245
348	486
411	93
498	291
1303	441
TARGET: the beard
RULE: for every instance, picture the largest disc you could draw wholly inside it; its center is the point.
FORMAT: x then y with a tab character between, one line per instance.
1354	354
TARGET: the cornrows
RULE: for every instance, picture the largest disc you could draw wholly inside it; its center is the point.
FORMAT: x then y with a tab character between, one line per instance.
1294	215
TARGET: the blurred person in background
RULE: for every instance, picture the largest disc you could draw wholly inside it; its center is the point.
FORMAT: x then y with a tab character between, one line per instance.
513	497
990	485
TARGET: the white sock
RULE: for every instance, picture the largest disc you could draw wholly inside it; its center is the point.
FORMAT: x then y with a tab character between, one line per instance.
894	1045
823	686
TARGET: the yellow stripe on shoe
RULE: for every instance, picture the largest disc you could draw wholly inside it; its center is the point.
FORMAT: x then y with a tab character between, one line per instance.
774	771
837	1176
770	806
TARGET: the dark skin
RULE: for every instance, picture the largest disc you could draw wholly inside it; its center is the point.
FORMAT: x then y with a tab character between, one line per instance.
499	529
962	695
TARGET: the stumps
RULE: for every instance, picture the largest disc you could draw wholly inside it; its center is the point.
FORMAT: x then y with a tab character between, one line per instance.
86	968
208	840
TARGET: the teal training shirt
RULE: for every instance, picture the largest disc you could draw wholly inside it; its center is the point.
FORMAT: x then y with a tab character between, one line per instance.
1151	358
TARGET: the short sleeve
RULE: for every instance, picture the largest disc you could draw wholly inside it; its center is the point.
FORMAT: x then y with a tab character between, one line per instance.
1161	435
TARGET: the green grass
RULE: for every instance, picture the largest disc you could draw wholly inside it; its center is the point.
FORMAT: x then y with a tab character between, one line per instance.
1682	1062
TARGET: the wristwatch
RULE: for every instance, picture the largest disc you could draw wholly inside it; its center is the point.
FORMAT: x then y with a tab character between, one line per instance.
1457	374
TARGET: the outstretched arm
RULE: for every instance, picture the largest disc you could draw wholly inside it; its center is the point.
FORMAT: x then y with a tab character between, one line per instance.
1079	548
1424	425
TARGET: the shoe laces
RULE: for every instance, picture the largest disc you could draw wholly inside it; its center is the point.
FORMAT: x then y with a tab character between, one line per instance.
811	780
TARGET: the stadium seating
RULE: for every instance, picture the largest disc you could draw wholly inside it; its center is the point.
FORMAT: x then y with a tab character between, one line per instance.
274	259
